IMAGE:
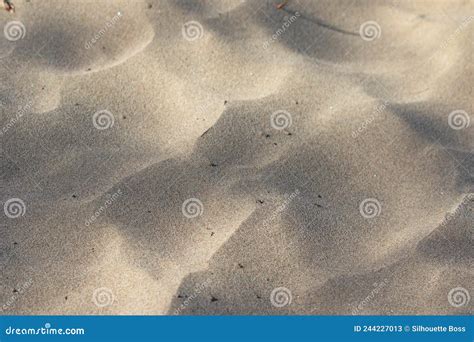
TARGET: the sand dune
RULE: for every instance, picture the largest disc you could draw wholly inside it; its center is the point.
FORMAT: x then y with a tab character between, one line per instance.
229	157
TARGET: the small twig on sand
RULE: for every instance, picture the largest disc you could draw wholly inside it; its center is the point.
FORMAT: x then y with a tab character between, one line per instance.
9	7
281	5
207	130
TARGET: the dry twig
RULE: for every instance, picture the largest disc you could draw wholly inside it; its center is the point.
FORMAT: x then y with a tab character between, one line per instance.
281	5
8	5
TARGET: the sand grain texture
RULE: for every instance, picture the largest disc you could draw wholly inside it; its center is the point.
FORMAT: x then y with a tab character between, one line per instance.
190	115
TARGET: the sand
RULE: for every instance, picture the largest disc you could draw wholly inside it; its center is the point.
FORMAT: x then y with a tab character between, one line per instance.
230	157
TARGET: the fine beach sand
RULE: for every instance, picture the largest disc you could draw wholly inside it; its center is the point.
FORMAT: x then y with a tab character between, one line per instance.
231	157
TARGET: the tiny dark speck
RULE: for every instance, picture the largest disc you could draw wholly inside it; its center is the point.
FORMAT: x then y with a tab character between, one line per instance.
260	201
225	102
275	144
318	205
267	135
89	69
214	299
259	297
320	196
76	104
15	290
212	233
180	296
289	133
213	164
240	265
296	102
150	6
65	298
74	196
15	243
124	117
